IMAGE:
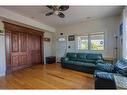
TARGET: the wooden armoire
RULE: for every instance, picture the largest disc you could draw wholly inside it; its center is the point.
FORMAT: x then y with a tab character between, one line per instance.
24	47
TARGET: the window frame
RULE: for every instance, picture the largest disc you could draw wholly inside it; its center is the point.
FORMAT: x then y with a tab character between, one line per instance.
99	33
87	39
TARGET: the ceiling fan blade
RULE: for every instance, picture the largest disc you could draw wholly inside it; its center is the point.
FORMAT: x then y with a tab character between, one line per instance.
61	15
48	14
50	7
63	8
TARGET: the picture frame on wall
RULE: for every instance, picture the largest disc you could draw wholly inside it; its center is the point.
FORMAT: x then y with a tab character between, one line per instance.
46	39
71	38
1	32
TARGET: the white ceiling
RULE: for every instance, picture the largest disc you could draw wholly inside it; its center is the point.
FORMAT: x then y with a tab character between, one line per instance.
75	14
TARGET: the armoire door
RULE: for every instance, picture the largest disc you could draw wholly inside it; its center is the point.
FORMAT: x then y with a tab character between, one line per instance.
34	50
14	50
18	49
23	47
37	49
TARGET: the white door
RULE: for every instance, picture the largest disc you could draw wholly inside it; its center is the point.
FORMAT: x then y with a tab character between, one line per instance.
61	47
71	46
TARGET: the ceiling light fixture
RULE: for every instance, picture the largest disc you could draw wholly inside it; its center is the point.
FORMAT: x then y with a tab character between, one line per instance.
88	17
58	10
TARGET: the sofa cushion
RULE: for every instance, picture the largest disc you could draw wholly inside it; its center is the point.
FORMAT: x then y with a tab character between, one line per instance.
103	75
81	60
105	67
90	61
81	55
73	62
81	63
99	61
94	56
69	62
73	59
72	55
86	61
121	67
89	65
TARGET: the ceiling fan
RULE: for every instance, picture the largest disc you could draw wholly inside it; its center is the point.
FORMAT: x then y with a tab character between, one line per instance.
57	10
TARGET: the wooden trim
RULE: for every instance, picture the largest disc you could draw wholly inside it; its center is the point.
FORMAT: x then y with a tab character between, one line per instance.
19	28
7	52
42	49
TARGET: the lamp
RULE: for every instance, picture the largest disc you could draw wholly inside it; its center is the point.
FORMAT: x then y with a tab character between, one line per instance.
116	48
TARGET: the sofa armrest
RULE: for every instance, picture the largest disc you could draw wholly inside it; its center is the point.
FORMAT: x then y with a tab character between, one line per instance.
108	67
64	59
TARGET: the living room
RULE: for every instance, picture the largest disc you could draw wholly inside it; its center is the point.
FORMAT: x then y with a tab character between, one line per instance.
45	45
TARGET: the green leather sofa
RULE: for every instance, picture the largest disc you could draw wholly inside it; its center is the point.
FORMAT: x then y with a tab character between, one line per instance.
85	62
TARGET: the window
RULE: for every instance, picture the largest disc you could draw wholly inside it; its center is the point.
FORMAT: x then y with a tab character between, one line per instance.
97	41
83	42
91	42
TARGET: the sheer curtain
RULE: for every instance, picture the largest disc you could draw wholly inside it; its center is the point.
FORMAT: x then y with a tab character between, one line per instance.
125	33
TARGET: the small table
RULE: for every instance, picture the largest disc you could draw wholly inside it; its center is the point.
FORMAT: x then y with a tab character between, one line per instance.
120	81
50	59
109	60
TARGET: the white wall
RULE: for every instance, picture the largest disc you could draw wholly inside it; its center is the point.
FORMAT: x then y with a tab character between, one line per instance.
48	46
2	52
107	25
12	16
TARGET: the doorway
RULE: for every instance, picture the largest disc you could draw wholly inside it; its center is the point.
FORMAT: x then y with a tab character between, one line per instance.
61	47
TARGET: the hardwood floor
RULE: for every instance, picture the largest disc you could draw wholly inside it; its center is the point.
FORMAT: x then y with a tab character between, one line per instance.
50	76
